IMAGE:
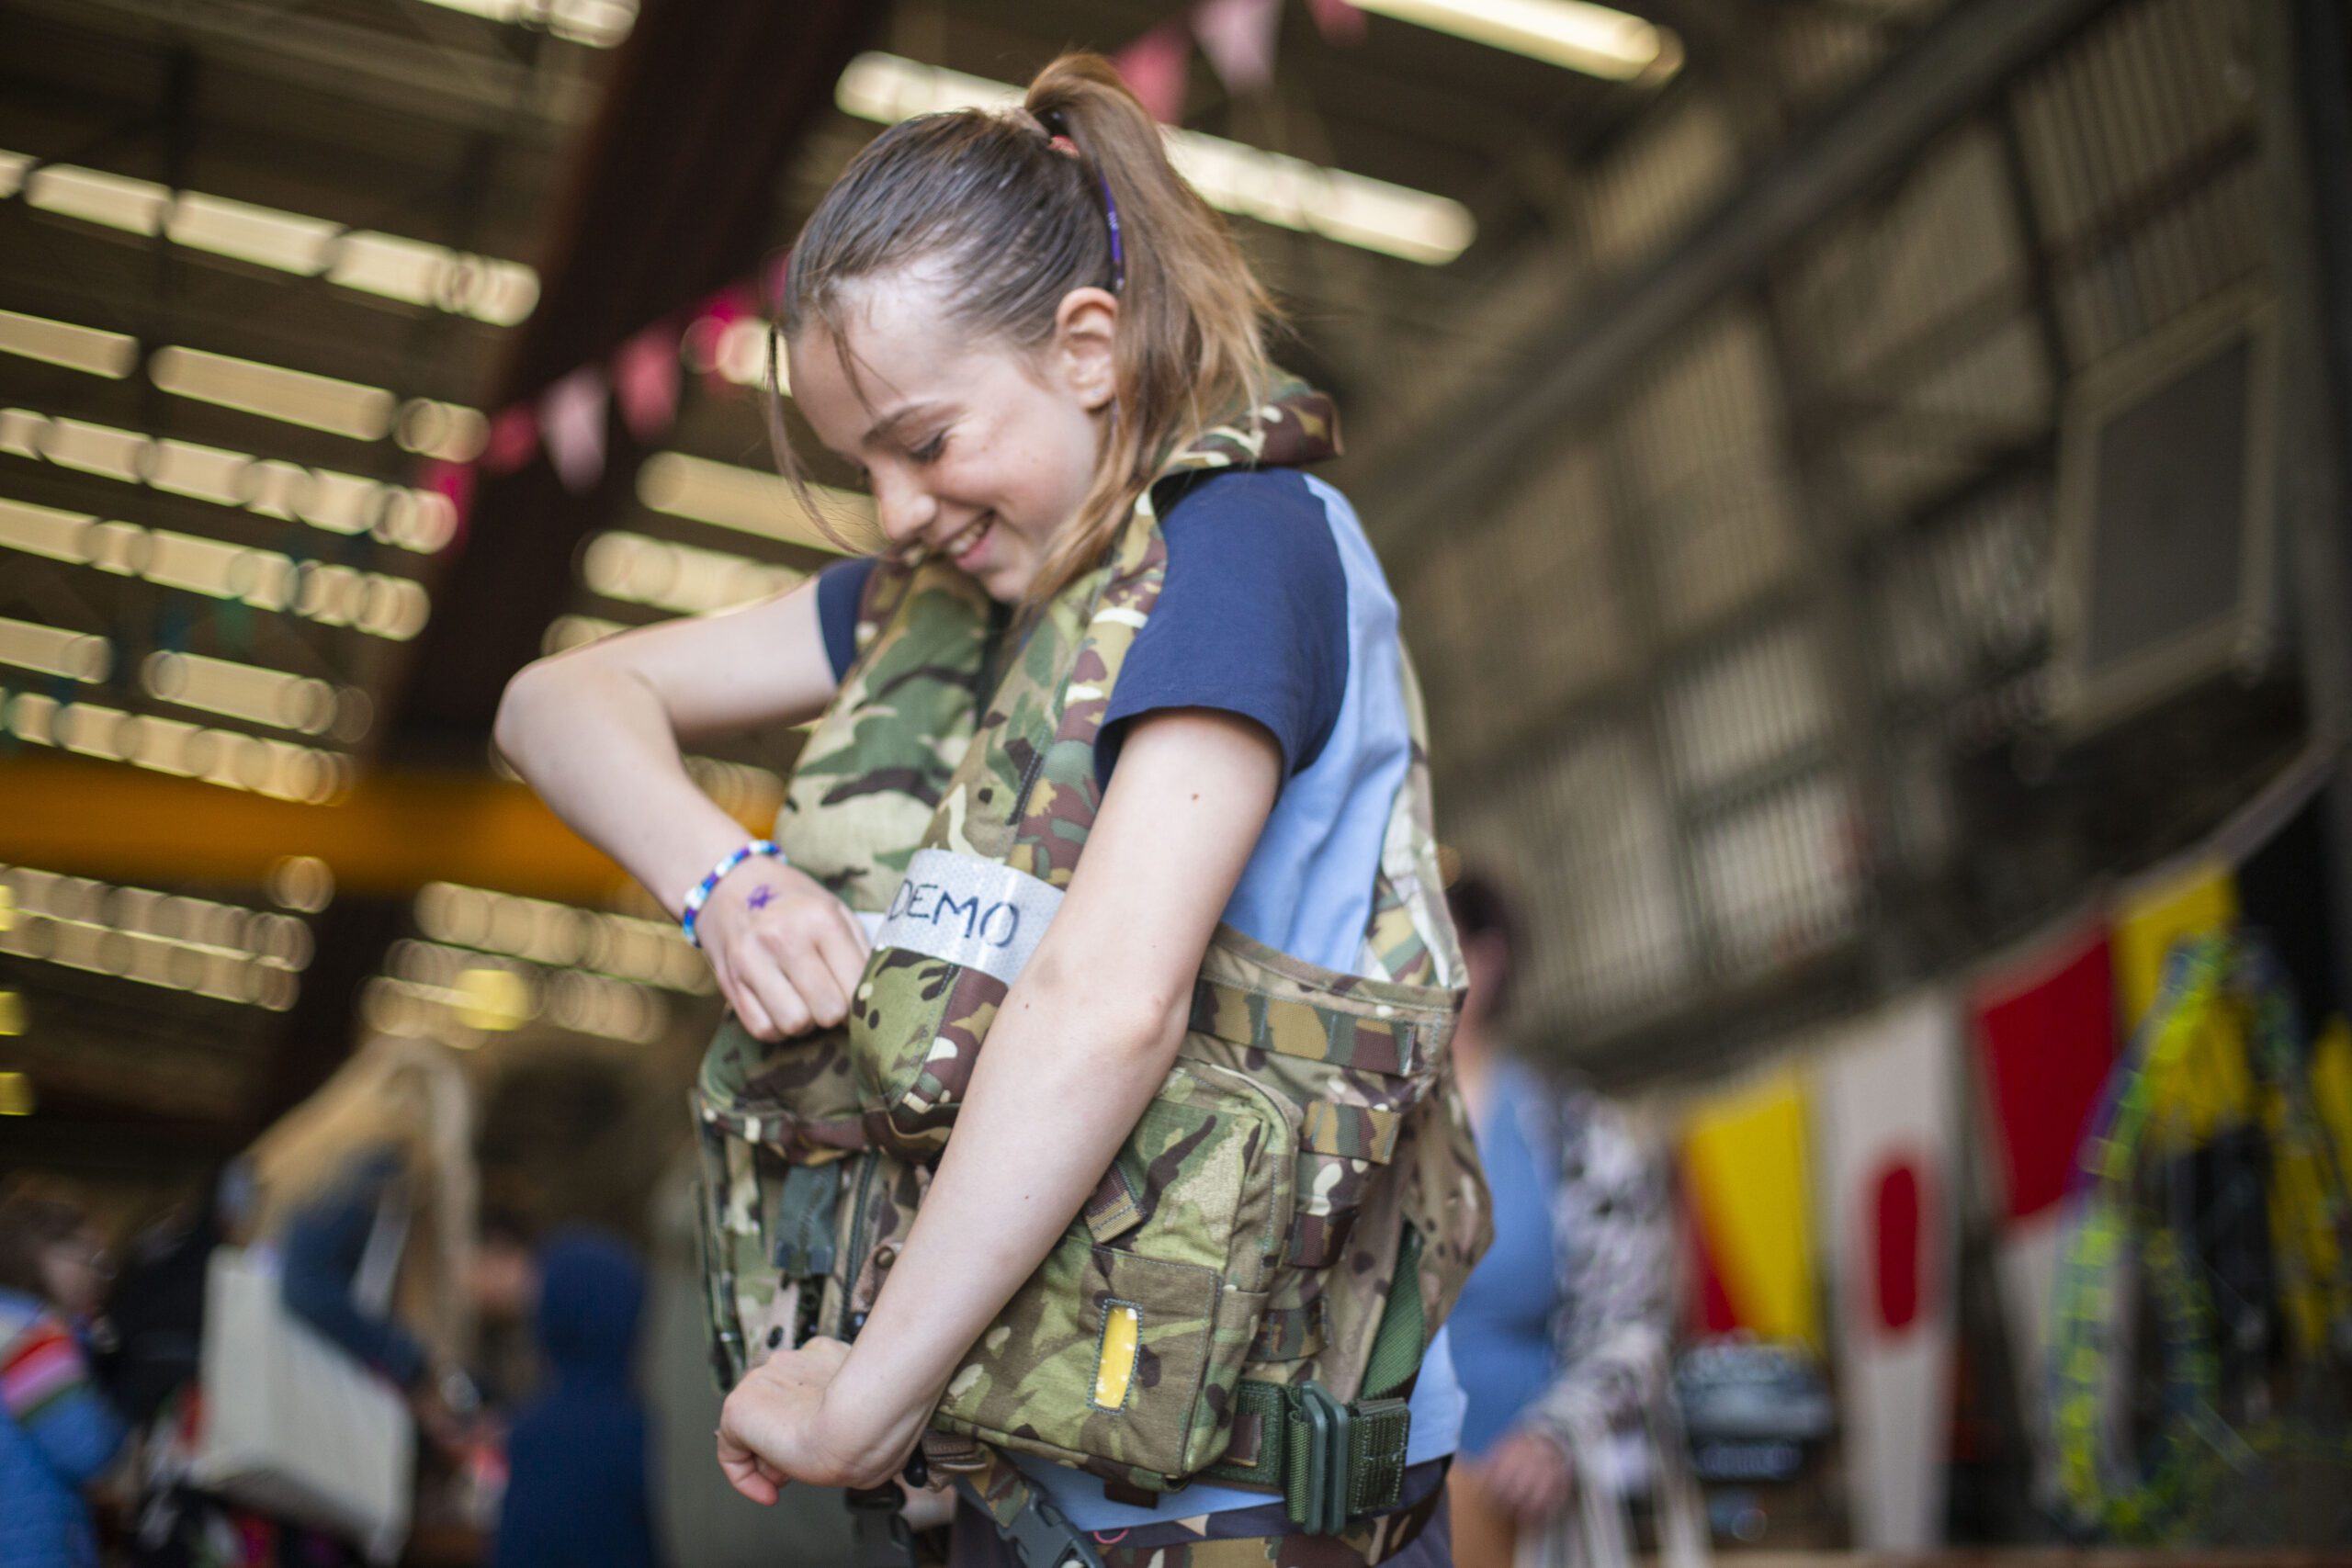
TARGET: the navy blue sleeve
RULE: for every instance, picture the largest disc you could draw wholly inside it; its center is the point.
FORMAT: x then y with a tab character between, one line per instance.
1252	618
839	587
323	1247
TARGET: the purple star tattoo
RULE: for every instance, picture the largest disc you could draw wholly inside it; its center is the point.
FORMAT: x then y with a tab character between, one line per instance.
760	897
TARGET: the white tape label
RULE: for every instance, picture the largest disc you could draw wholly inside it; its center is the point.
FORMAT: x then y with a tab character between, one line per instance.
970	911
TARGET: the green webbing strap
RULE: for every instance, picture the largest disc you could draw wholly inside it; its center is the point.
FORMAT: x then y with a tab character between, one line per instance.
1396	1343
1333	1461
805	1207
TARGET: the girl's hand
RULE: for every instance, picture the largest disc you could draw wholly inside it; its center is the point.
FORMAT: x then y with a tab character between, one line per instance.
787	953
775	1428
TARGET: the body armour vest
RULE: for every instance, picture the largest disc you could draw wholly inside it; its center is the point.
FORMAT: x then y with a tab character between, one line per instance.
1247	1293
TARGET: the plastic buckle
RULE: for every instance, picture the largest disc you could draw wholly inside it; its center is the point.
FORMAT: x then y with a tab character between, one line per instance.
1043	1539
1329	1429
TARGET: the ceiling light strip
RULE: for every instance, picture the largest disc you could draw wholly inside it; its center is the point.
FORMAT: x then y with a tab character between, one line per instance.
1274	187
414	272
416	520
1596	40
276	768
755	501
377	603
424	426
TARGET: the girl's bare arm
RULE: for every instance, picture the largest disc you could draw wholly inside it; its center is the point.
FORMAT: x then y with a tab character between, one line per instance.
597	732
1085	1038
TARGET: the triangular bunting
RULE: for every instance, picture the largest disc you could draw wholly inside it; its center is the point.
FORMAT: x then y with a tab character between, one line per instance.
1156	68
572	419
1239	37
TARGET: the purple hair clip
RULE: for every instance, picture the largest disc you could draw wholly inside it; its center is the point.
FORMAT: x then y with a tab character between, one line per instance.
1057	133
1118	251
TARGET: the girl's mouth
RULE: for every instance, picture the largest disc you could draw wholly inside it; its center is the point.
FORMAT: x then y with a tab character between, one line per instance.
961	547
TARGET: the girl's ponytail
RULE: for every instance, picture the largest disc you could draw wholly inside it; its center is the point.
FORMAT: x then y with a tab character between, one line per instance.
1021	220
1190	342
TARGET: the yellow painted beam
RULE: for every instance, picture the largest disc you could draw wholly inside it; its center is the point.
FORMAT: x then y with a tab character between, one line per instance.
392	834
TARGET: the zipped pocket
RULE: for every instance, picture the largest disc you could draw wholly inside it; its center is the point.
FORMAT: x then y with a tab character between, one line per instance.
1121	1353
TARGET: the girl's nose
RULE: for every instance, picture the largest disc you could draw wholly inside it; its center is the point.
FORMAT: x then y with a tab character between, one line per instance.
902	508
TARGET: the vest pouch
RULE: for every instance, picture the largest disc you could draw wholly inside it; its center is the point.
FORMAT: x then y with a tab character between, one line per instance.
958	932
764	1228
1120	1355
880	1193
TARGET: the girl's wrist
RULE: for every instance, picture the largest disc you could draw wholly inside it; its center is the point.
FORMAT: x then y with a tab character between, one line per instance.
873	1422
690	909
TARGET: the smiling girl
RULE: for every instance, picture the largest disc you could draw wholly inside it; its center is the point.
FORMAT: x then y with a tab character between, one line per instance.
1118	774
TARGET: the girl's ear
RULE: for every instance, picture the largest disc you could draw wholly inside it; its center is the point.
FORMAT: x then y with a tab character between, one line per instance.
1084	348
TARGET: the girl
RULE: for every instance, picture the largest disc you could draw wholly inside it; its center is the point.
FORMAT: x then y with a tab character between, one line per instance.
1045	355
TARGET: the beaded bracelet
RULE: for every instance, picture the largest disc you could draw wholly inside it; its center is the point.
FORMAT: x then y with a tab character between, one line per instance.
702	890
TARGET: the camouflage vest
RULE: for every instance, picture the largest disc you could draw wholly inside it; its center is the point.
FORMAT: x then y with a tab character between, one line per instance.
1223	1306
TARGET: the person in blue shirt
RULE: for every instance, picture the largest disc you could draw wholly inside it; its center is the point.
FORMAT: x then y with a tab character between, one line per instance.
1561	1336
57	1432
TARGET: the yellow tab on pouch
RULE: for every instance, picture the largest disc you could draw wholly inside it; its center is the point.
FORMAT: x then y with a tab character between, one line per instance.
1114	1368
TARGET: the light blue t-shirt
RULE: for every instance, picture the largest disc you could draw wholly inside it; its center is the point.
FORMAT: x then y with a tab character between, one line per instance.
1273	607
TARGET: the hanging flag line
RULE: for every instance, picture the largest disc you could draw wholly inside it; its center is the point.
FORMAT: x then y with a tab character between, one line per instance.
1802	1182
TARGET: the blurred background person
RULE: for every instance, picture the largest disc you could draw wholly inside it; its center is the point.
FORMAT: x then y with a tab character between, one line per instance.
380	1156
1562	1334
57	1431
577	1476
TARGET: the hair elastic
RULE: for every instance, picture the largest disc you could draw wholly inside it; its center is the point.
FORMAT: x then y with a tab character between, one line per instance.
1057	130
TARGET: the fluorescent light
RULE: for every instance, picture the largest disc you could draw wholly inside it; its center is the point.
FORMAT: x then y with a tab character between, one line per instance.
599	24
424	426
680	578
261	235
377	603
158	939
1595	40
414	271
53	651
447	430
95	197
274	697
417	520
223	757
752	501
112	354
295	397
1271	187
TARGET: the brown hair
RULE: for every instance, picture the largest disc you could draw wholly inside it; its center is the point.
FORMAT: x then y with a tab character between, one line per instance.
1017	224
34	1217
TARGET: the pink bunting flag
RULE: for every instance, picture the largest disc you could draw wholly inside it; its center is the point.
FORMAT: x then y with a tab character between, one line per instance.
1156	68
571	416
645	382
1239	37
514	439
1337	20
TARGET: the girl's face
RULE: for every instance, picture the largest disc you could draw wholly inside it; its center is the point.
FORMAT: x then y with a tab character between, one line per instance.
975	450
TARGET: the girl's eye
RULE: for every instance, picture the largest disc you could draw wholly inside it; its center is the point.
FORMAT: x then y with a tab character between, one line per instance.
929	451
